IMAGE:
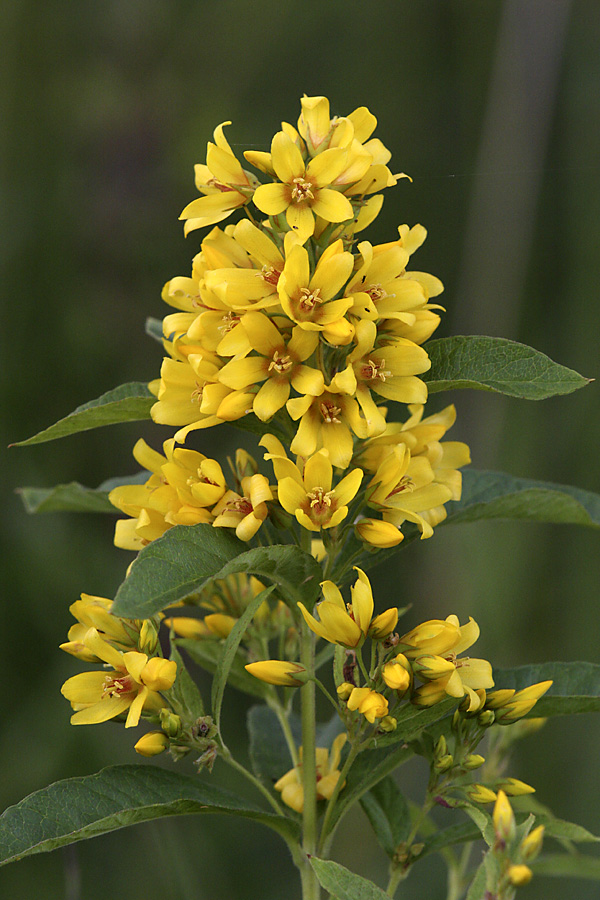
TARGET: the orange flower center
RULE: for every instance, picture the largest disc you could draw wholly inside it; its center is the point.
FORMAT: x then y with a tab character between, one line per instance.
302	190
241	505
196	395
405	484
373	370
330	412
114	687
376	292
269	274
309	299
321	504
280	363
219	185
228	322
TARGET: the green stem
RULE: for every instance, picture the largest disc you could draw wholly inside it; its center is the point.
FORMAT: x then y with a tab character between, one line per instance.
396	877
354	750
310	886
285	727
228	758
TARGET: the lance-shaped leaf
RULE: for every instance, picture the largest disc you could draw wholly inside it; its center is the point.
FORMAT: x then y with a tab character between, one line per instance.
127	403
388	813
344	884
79	808
75	497
186	557
576	687
207	653
568	865
230	648
497	495
497	365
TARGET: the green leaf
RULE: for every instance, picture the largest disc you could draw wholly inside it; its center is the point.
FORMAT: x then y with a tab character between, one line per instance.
154	329
482	820
187	556
185	695
498	365
447	837
75	497
576	687
127	403
173	567
565	831
207	652
344	884
567	865
388	813
269	752
479	883
72	497
229	650
497	495
79	808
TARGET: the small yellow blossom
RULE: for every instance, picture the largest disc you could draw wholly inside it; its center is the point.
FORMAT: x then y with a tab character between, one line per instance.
309	299
503	817
532	844
519	875
246	511
510	705
478	793
152	743
397	673
277	671
290	785
370	703
133	685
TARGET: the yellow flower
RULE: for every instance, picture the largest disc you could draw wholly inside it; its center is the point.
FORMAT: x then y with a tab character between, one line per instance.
308	494
133	685
378	534
370	703
152	743
503	817
397	673
341	624
94	612
510	705
277	671
278	364
328	774
532	844
309	300
224	183
328	421
303	190
246	511
183	483
519	875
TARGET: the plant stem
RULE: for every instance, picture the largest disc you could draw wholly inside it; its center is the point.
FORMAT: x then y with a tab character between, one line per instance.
228	758
310	886
285	727
336	791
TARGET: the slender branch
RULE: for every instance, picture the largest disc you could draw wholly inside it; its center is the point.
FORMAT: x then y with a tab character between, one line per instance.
275	705
354	750
310	885
226	756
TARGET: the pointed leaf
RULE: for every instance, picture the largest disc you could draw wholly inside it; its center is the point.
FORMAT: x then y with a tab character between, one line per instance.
576	687
388	813
184	695
497	495
568	865
269	752
79	808
498	365
565	831
187	556
230	648
447	837
344	884
154	329
75	497
478	885
207	654
128	403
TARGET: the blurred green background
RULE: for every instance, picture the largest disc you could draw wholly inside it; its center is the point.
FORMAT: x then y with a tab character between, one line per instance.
494	109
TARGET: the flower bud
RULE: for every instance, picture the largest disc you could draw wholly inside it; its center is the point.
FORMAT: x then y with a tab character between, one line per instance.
428	695
277	671
504	820
486	718
219	624
397	674
478	793
388	723
148	639
187	627
532	844
383	624
473	761
377	533
152	743
159	674
444	763
519	875
431	667
170	723
441	747
344	690
245	465
515	788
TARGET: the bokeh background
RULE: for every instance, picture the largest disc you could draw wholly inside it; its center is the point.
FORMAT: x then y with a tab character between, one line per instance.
494	109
